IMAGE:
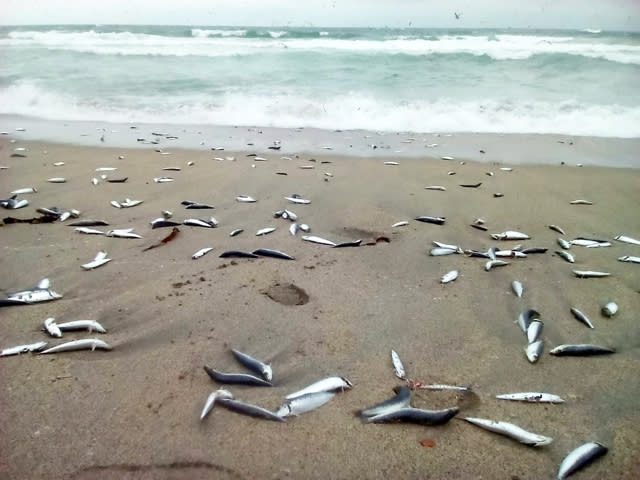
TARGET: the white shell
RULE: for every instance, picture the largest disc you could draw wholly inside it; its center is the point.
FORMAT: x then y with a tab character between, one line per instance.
449	276
610	309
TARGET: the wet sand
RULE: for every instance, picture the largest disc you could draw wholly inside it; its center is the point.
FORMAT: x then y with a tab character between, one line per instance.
133	412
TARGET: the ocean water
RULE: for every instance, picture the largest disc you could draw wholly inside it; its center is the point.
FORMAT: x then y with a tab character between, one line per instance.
420	80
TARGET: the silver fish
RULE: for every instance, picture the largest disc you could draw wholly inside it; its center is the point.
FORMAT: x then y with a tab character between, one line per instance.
629	258
201	252
90	325
620	238
199	222
400	224
580	457
397	365
435	187
532	397
449	276
566	255
211	400
534	331
51	327
254	364
293	229
437	251
265	231
415	415
303	404
245	199
236	378
439	386
320	240
84	344
298	200
89	231
512	431
56	180
431	219
557	229
304	227
494	263
510	254
581	317
42	293
517	288
163	179
99	260
235	232
563	243
400	400
24	190
581	202
17	350
325	385
122	233
390	163
445	245
248	409
581	350
510	235
590	274
534	350
610	309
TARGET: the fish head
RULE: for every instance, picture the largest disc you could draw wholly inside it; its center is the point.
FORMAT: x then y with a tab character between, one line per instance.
267	373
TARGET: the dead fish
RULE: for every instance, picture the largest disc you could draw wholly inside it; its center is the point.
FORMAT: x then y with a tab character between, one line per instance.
265	231
534	331
122	233
510	235
512	431
245	199
629	258
51	328
249	409
533	250
90	325
56	180
391	163
517	288
254	364
41	293
581	317
557	229
237	254
235	232
440	386
563	243
84	344
88	223
397	365
293	229
328	384
303	404
304	227
581	202
580	350
199	222
479	227
21	191
415	415
298	200
532	397
433	220
494	263
610	309
623	238
268	252
441	251
580	458
449	276
89	231
14	203
471	185
236	378
163	179
435	187
320	240
526	317
588	242
510	254
534	350
590	274
99	260
211	400
17	350
400	400
354	243
117	180
202	252
566	256
198	206
446	157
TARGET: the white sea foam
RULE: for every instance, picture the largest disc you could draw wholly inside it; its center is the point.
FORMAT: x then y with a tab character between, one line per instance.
220	42
349	111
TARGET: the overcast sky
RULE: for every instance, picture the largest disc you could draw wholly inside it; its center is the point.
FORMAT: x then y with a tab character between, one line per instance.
604	14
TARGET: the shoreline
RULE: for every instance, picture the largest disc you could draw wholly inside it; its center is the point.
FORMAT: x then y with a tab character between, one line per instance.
133	412
507	149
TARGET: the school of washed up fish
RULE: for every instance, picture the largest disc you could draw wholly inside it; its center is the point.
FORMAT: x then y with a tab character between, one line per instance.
398	407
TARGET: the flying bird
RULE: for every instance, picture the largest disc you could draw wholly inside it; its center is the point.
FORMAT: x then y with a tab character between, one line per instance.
458	15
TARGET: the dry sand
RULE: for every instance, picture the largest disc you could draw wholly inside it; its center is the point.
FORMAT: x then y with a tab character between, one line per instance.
133	412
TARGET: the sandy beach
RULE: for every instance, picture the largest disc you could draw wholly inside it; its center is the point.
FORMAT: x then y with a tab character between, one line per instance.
133	412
